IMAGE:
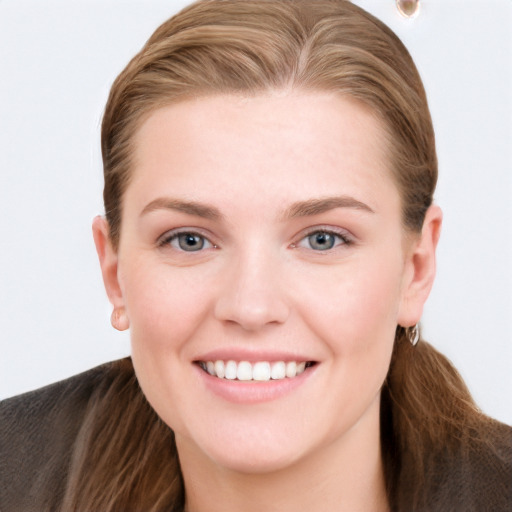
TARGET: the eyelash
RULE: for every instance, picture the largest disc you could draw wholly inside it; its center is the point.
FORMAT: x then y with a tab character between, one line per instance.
341	238
174	235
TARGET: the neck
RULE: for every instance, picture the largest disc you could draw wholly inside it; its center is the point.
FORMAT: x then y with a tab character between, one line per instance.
344	475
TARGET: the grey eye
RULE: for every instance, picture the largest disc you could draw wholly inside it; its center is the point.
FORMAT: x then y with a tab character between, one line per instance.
321	240
185	241
190	242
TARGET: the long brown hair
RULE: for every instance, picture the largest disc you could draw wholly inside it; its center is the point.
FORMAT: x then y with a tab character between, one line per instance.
125	458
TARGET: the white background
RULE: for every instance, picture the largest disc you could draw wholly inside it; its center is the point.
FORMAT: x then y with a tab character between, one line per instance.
57	61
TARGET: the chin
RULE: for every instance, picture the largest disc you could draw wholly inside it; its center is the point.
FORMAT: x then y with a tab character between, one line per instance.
246	450
254	460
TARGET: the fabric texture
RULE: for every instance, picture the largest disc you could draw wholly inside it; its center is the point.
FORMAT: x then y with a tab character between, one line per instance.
39	431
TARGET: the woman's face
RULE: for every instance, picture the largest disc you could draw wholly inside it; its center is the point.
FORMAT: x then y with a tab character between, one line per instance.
265	231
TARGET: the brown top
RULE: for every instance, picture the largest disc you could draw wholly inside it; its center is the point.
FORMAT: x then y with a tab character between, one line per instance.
39	431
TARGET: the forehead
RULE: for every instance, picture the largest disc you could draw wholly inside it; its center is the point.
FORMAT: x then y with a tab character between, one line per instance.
276	144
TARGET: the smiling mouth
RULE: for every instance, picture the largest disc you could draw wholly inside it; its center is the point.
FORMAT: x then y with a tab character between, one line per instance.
262	371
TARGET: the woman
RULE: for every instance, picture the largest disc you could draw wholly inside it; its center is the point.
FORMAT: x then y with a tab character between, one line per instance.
269	240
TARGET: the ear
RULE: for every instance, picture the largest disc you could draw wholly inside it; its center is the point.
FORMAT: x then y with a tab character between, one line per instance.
420	269
108	257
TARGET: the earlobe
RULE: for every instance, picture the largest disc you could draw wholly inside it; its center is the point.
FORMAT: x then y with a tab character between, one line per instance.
420	269
108	258
119	319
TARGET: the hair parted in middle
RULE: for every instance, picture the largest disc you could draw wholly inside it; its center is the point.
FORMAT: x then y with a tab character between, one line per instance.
252	47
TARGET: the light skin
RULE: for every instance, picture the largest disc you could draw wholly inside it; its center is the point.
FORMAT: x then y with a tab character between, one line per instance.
300	254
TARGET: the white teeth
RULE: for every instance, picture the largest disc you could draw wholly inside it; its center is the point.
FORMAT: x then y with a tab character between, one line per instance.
278	370
210	367
230	370
260	371
244	371
291	369
220	371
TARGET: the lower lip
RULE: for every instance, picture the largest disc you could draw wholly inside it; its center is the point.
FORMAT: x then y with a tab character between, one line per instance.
251	392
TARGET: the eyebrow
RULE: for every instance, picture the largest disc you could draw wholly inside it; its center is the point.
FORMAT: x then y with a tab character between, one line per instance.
189	207
317	206
298	209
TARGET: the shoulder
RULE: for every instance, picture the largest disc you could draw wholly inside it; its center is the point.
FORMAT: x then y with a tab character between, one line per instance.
491	469
480	476
39	430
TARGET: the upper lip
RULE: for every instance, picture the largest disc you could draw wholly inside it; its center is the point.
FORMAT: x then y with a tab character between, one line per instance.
253	356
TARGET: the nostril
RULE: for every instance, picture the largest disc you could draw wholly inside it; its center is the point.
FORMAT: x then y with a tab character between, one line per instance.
252	312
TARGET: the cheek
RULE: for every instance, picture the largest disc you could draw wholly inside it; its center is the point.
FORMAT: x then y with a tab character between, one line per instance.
164	305
359	305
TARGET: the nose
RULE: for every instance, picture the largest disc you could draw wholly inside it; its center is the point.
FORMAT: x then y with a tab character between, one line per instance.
252	294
